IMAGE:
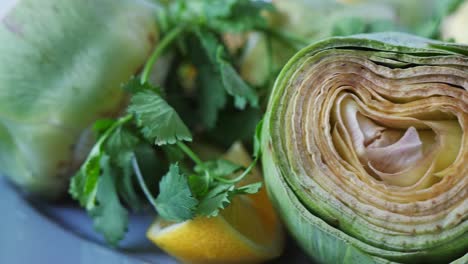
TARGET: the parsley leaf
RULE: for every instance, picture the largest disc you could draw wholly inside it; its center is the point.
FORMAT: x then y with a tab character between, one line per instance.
110	217
175	201
159	122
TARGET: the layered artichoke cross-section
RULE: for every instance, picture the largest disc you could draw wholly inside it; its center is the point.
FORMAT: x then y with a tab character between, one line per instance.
366	145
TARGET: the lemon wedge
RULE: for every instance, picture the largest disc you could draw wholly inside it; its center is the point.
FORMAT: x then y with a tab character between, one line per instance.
247	231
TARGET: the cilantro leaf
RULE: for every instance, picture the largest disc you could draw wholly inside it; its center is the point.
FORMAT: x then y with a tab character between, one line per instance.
199	184
231	120
173	153
215	8
110	217
120	145
175	201
134	85
209	43
216	199
248	189
101	125
158	121
219	167
83	186
222	16
243	15
231	81
212	96
126	187
235	85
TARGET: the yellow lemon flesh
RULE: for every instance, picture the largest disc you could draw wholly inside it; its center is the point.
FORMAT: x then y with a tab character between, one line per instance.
247	231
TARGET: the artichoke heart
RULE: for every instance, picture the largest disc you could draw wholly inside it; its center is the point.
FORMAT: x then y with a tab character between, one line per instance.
365	145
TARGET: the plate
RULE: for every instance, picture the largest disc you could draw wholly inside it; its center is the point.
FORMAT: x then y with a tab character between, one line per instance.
33	231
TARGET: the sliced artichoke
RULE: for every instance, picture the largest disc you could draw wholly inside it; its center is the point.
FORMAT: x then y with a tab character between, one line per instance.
365	146
62	64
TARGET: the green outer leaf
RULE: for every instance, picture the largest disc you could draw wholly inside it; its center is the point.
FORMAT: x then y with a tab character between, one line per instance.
323	242
62	65
159	122
314	233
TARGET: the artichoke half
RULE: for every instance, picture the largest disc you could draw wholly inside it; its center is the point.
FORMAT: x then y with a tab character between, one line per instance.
62	65
365	145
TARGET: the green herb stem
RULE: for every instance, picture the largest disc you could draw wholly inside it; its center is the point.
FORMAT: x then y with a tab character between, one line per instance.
114	126
158	51
240	177
98	146
141	181
190	153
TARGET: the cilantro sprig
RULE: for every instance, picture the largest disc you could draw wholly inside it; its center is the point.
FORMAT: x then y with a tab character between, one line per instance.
209	187
112	177
151	120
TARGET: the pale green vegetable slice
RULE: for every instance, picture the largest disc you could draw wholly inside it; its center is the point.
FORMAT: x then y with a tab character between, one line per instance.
63	63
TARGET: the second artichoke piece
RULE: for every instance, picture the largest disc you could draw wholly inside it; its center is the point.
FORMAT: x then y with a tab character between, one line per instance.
62	66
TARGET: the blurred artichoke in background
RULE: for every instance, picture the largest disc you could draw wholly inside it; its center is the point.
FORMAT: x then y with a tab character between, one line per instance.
63	63
455	26
311	20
